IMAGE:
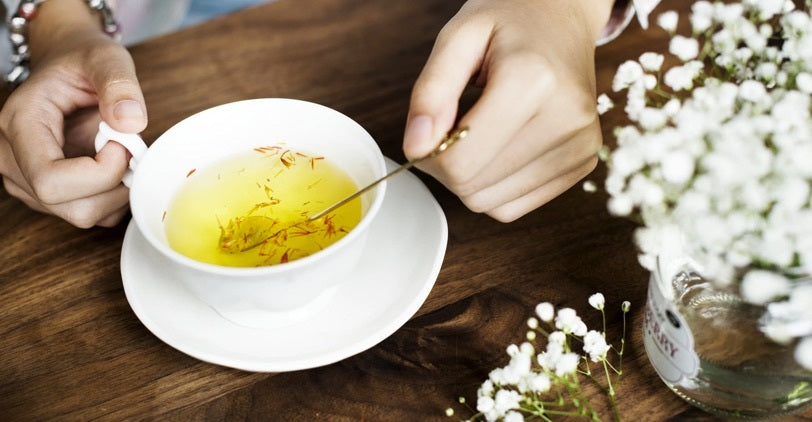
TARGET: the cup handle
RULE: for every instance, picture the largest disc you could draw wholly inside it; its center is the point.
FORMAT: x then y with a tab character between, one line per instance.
131	141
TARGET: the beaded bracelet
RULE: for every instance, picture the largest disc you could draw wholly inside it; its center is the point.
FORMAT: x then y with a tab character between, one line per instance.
18	34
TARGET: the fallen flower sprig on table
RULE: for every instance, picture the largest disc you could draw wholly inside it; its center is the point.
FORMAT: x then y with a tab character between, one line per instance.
547	382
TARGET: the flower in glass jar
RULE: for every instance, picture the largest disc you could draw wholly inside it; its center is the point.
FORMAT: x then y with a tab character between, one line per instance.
716	161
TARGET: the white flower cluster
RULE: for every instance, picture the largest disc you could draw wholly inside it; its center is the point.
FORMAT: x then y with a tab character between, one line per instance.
718	158
518	388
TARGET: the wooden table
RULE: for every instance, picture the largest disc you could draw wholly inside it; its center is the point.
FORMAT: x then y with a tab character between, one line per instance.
72	349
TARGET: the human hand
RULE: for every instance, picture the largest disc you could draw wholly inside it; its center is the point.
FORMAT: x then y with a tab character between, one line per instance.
534	131
48	124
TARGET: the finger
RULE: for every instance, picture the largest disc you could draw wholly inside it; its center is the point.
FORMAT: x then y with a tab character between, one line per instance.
516	88
121	102
457	55
88	212
545	169
54	179
9	168
105	209
114	218
518	207
503	184
18	192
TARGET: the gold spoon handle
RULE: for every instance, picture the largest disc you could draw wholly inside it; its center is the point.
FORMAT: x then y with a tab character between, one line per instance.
446	142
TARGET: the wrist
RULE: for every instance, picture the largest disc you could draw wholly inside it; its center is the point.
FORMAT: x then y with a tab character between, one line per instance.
597	14
59	23
40	28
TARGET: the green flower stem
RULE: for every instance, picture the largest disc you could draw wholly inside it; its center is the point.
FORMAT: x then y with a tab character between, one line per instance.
610	390
561	413
617	372
622	348
578	399
588	371
666	95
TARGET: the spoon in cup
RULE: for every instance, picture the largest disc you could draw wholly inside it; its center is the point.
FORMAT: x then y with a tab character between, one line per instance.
252	231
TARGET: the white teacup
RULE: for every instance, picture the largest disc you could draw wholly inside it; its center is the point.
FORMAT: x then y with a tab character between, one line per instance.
260	296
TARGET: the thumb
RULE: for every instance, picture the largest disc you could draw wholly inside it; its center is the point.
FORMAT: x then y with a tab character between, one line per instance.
457	55
121	102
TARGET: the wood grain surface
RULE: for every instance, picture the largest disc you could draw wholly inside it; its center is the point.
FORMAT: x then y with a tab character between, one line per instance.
72	349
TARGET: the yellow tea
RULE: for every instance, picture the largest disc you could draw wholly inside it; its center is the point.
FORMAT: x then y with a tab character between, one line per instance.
251	209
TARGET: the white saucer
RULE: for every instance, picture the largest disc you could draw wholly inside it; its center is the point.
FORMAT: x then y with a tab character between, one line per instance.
402	259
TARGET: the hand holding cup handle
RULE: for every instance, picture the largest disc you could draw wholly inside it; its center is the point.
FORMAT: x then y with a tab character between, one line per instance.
132	141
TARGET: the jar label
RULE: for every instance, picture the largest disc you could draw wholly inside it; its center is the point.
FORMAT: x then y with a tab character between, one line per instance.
667	338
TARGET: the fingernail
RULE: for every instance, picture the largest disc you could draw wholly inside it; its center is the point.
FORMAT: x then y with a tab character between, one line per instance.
129	111
417	136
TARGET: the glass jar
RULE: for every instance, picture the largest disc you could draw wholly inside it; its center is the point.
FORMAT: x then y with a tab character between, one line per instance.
706	344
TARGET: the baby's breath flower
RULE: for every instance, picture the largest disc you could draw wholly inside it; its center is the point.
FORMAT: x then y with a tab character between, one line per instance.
701	16
760	287
486	389
506	400
556	337
804	82
620	205
769	8
627	74
567	364
752	91
678	167
545	311
568	321
668	21
682	77
781	78
549	358
803	353
513	416
540	383
651	62
597	301
684	48
672	107
595	345
766	71
604	104
728	13
486	404
652	118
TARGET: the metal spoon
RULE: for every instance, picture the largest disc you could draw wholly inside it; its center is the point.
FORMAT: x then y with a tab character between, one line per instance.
446	142
253	230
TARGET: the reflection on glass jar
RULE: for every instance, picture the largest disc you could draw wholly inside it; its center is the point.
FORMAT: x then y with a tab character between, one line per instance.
706	344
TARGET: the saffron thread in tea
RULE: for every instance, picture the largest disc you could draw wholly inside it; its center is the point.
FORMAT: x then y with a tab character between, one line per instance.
252	209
